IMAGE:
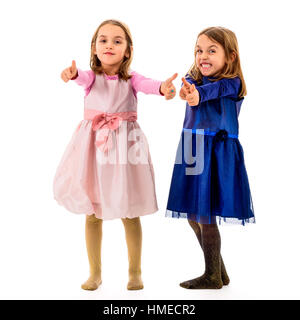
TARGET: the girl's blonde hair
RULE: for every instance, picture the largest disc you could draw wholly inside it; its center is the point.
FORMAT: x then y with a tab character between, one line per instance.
232	68
95	63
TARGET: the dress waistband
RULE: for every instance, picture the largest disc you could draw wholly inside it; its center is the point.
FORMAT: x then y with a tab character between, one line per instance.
223	134
90	114
103	121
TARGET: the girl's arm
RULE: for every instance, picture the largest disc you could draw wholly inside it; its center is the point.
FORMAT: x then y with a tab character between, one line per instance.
84	78
219	89
145	85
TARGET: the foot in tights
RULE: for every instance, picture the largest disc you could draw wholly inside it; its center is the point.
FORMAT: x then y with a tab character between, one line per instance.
133	233
196	227
211	245
93	237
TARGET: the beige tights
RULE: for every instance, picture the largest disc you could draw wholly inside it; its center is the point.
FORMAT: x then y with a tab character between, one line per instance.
133	232
93	239
93	236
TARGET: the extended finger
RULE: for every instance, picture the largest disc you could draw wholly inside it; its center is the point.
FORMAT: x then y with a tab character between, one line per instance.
169	80
73	68
185	83
192	88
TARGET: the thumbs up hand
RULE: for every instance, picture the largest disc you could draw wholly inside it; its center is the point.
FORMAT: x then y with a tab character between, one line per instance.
189	93
168	89
69	72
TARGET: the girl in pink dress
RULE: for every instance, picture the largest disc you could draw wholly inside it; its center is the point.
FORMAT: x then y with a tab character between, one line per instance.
106	171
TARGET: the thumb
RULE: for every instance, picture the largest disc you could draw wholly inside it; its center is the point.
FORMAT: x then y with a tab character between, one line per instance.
185	83
73	67
174	76
169	80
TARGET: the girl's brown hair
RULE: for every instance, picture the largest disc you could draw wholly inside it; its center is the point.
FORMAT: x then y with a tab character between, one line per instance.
95	63
232	67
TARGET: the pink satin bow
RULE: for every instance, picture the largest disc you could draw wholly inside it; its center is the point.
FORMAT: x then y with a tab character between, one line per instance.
105	123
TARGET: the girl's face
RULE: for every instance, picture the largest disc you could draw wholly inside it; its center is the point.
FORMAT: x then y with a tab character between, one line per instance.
210	57
110	47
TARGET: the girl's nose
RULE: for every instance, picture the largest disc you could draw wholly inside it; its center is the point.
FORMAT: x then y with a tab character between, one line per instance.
204	56
109	45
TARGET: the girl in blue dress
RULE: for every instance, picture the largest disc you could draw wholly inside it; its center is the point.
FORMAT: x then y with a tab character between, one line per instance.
209	182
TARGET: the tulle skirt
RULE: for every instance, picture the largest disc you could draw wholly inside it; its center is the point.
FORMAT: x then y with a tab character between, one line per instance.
209	182
114	183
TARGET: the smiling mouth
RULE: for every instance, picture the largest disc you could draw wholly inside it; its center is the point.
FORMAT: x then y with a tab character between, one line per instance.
205	65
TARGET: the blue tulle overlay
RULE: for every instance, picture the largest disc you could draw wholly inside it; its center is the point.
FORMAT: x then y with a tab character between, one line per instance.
209	182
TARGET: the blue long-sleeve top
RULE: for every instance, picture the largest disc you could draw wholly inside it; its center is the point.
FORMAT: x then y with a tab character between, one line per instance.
218	108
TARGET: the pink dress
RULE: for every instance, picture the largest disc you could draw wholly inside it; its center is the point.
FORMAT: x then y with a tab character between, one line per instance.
106	168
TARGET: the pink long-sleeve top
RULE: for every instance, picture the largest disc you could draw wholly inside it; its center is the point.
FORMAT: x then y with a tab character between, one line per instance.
139	83
105	93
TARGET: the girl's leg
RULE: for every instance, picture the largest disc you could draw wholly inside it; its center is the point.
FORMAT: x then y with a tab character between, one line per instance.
196	227
211	245
133	232
93	237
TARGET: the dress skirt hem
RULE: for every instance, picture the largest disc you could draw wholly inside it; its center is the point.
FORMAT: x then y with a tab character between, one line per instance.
134	212
210	219
119	183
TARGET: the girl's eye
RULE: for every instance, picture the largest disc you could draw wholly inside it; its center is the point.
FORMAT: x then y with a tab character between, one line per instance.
212	51
199	51
102	40
117	42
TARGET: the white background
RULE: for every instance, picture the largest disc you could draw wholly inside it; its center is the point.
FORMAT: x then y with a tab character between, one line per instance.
43	253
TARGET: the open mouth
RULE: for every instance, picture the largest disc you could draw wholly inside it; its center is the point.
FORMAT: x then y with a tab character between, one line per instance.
205	65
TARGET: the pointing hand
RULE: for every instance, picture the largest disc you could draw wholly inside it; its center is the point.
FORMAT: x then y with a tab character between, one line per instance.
70	72
167	88
189	93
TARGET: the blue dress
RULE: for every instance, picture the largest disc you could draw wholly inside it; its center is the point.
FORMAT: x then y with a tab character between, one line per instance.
209	182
